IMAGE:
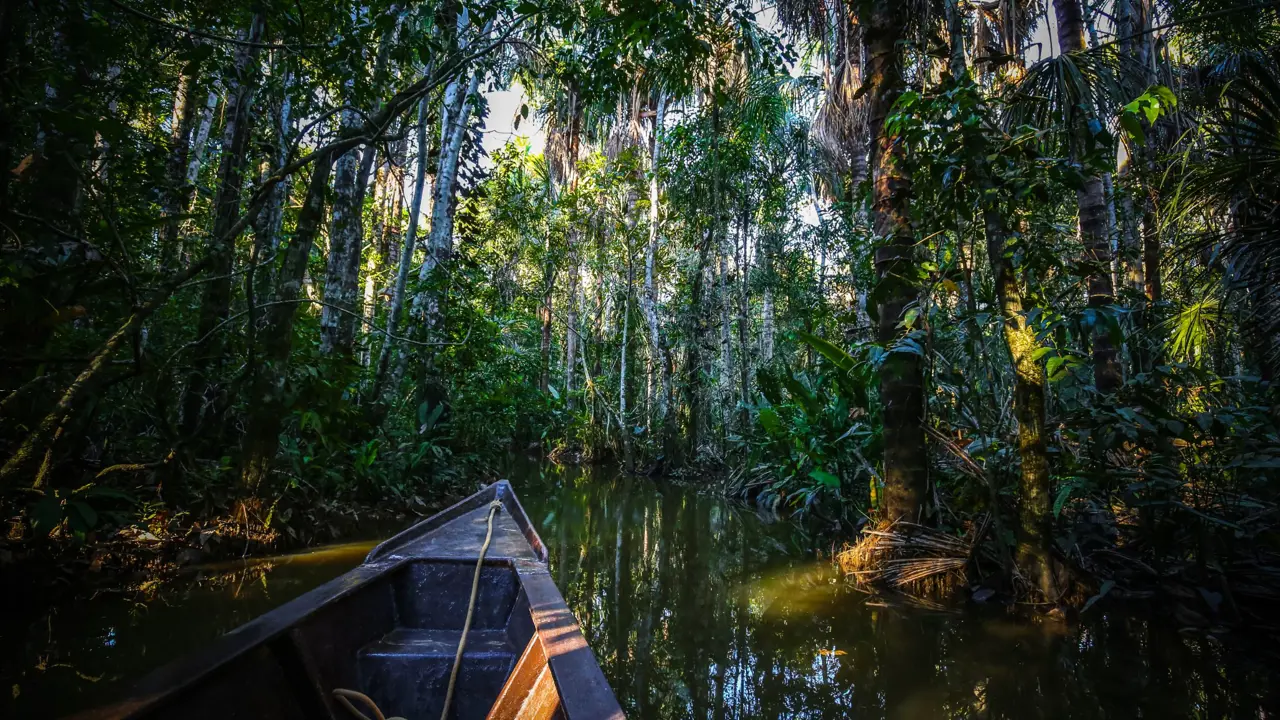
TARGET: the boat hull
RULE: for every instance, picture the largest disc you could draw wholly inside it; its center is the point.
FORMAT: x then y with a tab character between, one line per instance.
390	628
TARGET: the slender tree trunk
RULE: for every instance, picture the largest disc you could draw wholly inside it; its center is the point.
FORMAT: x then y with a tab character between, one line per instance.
1035	490
1095	231
544	315
624	427
744	317
346	238
1151	255
184	115
766	326
342	269
1132	20
571	336
726	333
902	371
259	277
195	160
267	398
200	141
453	126
657	367
699	324
697	331
573	333
215	303
406	258
270	221
955	31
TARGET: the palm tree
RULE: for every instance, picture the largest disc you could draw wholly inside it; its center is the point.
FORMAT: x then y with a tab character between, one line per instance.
1095	224
902	370
1235	179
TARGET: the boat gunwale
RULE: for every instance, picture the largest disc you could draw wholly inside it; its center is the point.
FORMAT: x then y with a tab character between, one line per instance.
168	682
500	491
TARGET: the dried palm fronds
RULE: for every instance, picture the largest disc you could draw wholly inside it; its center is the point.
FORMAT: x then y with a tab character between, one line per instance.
905	554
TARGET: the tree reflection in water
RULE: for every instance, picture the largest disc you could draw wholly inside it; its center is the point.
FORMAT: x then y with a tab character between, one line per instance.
697	608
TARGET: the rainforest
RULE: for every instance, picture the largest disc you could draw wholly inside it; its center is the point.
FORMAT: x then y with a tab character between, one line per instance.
877	358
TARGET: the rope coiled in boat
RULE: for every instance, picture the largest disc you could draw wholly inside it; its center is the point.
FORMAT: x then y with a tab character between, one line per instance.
345	696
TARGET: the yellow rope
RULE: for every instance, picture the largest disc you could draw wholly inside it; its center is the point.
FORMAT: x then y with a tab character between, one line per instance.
345	696
471	609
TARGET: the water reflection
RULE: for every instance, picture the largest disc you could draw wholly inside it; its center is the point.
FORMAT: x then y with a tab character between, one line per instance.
90	650
695	608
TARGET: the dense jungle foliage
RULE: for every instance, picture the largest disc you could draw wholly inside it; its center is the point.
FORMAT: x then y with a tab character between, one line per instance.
999	270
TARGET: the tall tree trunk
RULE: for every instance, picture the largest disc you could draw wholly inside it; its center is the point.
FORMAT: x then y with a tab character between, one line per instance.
726	333
1095	231
571	336
544	316
428	304
1151	255
1132	20
259	277
199	142
766	323
958	65
215	303
175	192
624	427
203	124
406	258
744	317
659	371
453	127
902	371
267	398
698	325
342	269
694	359
1034	496
346	238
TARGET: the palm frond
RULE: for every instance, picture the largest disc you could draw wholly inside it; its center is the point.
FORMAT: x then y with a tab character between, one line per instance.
1066	92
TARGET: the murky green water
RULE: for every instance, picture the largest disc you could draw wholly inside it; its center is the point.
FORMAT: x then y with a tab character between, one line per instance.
697	608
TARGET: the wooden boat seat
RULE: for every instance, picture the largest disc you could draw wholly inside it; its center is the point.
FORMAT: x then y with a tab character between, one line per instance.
409	669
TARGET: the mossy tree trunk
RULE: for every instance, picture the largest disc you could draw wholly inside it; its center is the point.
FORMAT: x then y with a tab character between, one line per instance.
902	371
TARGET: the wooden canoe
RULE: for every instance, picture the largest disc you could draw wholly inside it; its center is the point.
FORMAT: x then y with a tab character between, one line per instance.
390	629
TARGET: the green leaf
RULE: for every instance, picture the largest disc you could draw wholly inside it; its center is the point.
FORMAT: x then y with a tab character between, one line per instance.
1133	126
909	318
826	349
825	478
769	419
1064	494
1053	366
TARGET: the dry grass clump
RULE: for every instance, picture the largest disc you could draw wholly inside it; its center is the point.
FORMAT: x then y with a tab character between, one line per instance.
904	555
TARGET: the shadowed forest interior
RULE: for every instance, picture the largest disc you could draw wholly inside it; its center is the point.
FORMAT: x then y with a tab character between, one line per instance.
831	337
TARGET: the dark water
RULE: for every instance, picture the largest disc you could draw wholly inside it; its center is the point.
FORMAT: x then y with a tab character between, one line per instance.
696	608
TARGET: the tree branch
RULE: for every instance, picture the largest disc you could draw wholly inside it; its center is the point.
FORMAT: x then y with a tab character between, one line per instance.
200	33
